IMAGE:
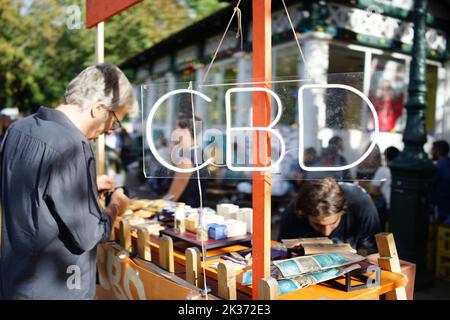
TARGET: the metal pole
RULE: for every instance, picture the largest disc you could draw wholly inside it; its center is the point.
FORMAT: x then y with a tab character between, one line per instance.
412	170
262	71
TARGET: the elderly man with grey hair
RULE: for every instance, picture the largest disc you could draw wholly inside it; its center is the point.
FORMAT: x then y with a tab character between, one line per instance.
51	218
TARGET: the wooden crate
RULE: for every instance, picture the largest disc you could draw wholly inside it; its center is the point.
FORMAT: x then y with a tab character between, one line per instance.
443	241
443	253
443	267
431	247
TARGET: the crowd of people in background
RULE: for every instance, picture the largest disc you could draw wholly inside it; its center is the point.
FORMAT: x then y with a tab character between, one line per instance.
373	175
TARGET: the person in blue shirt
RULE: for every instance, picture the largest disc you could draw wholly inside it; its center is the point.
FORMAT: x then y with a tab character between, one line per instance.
51	219
441	180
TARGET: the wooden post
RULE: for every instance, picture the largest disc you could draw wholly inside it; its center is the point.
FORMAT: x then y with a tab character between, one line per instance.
226	279
389	261
262	71
193	266
166	260
268	289
143	244
100	58
125	235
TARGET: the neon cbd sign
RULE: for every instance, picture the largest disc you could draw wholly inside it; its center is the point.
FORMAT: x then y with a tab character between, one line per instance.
269	129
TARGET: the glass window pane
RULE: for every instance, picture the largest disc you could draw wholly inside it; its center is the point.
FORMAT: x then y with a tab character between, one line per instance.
348	112
287	66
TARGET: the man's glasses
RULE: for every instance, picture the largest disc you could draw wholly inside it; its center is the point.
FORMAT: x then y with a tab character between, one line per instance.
116	124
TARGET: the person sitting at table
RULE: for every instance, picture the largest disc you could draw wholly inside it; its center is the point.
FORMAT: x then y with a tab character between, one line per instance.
330	157
343	212
184	187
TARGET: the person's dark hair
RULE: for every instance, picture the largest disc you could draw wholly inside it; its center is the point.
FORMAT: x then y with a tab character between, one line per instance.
391	153
320	197
335	141
310	156
163	141
185	121
442	147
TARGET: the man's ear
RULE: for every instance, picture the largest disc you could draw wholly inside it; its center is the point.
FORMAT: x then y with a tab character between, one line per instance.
98	110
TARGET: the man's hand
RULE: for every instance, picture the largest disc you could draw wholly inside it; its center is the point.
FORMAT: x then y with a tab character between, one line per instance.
105	183
118	204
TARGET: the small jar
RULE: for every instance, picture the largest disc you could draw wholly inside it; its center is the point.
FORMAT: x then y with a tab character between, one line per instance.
202	233
180	218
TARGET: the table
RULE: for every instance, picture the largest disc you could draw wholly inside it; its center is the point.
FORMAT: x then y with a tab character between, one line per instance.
389	280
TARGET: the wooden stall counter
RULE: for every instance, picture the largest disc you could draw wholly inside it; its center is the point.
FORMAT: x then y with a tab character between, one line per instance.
176	263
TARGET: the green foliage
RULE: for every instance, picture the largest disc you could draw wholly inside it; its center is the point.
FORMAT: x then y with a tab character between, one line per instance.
40	54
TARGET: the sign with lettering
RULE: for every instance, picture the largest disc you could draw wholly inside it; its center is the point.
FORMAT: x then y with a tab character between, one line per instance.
131	279
335	120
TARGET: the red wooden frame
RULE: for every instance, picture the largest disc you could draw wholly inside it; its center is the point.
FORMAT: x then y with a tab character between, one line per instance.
101	10
262	71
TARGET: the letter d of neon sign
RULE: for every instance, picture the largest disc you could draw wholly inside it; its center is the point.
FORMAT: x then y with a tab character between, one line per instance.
301	133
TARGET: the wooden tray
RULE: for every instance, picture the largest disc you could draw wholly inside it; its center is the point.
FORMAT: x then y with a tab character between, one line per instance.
191	239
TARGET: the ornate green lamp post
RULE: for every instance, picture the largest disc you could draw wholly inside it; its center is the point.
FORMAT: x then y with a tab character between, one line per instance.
412	170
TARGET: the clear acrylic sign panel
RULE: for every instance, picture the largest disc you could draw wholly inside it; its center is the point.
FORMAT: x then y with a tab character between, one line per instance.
331	126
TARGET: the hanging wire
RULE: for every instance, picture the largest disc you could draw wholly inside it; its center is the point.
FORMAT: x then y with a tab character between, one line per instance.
239	33
201	221
238	13
296	39
235	11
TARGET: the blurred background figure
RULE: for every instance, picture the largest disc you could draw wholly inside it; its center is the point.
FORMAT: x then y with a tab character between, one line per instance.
159	182
310	156
441	181
368	167
330	157
5	122
124	148
297	173
389	105
338	143
112	147
380	187
184	186
279	184
223	173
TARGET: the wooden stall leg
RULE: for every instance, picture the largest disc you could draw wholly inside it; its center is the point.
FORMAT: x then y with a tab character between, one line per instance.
143	244
268	289
227	281
389	261
125	235
193	266
166	260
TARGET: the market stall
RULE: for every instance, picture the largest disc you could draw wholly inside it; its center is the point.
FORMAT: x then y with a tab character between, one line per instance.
141	264
203	253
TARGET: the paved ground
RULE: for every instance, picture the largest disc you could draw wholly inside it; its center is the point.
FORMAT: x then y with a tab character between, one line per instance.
439	291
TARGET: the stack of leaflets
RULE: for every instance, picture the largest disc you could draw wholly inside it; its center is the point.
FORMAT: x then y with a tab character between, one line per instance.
301	272
308	246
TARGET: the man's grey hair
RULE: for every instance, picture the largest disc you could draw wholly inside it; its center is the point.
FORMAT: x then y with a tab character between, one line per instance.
102	82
